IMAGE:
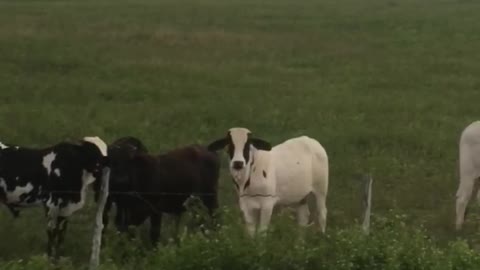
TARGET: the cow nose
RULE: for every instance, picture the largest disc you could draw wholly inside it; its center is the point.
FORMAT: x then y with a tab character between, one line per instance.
238	165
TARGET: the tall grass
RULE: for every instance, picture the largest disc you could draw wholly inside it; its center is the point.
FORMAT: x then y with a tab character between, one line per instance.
392	245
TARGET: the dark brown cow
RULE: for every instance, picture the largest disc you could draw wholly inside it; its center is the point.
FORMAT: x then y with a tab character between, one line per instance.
120	151
152	185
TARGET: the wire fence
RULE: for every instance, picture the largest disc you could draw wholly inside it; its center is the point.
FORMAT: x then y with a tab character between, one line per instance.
130	193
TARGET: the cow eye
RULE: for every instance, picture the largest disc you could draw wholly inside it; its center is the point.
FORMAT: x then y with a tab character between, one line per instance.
230	150
246	151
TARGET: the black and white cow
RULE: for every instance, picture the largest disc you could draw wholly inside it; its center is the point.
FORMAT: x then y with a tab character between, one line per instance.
56	177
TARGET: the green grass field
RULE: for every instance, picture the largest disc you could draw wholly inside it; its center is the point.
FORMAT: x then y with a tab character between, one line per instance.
385	85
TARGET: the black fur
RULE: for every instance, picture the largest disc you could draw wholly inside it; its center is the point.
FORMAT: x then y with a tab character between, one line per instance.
161	184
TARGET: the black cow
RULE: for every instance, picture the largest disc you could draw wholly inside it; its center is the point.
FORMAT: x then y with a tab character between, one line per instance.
120	152
148	186
56	177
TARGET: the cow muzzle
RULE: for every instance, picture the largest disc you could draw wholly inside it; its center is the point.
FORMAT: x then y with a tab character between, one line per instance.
238	165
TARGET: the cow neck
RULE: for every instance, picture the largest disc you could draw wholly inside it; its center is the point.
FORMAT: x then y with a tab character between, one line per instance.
245	182
245	187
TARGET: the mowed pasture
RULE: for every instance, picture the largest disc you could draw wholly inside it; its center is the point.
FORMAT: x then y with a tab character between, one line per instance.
385	86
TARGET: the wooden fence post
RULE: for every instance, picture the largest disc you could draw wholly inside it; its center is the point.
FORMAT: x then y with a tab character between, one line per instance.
98	228
367	203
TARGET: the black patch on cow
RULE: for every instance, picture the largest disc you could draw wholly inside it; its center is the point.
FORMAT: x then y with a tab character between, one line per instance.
247	184
264	174
220	144
246	150
254	168
260	144
231	147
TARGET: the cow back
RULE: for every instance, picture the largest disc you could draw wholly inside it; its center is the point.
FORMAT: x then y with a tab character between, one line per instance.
167	180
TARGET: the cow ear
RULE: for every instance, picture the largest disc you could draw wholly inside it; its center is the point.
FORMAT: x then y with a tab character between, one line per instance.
261	144
217	145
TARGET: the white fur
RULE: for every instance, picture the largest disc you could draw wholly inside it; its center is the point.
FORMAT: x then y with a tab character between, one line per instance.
3	184
102	146
47	162
57	172
469	168
70	208
13	196
293	169
3	146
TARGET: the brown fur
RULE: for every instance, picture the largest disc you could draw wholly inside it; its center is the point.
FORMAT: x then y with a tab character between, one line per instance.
162	183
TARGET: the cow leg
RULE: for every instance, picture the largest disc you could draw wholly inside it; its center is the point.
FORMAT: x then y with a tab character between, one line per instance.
211	202
303	214
155	227
251	219
177	219
60	228
106	219
56	235
321	200
52	221
51	240
250	214
210	222
122	222
265	217
13	211
476	191
464	193
106	212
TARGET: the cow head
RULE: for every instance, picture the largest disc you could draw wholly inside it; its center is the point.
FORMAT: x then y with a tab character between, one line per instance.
241	146
95	156
120	154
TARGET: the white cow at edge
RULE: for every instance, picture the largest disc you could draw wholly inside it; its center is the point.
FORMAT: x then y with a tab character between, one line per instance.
283	175
469	150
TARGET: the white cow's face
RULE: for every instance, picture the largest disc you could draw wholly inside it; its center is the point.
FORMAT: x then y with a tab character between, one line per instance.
240	147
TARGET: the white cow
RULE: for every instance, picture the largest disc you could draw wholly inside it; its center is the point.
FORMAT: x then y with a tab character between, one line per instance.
469	168
283	175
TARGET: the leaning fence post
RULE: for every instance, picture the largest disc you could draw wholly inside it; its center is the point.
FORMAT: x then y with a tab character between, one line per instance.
98	228
367	203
